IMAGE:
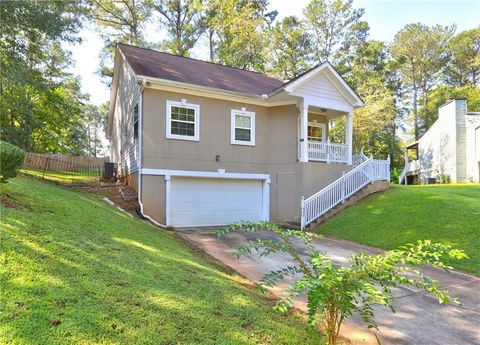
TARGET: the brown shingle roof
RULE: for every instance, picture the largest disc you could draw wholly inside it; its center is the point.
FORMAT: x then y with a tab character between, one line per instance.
152	63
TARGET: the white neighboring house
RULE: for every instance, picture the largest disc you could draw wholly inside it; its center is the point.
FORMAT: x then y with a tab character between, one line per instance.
451	147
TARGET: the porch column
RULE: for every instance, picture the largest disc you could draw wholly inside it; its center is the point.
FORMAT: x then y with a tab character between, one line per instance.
349	136
303	131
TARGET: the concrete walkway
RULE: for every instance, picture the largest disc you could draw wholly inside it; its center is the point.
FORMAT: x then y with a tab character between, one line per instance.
419	319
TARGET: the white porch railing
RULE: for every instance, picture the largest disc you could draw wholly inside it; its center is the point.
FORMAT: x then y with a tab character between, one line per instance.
327	152
413	166
338	191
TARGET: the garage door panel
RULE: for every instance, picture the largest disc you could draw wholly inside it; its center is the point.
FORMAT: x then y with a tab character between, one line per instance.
205	201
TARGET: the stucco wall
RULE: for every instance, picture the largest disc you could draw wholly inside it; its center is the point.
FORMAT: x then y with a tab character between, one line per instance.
153	197
274	153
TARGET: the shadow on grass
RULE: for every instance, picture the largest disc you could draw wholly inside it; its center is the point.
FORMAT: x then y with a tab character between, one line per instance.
111	279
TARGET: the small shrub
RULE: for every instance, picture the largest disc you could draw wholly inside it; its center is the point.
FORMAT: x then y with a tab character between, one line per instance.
335	292
11	160
395	175
444	179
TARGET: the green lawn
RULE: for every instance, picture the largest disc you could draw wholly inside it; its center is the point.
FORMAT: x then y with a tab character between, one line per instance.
62	177
404	214
74	270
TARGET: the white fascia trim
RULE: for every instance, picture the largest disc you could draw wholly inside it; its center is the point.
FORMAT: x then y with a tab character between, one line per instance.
220	173
242	112
203	91
183	103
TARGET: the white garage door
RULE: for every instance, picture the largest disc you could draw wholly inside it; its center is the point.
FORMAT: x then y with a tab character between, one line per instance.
210	201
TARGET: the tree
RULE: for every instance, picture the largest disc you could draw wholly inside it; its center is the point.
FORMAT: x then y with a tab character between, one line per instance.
238	27
119	21
290	52
335	292
442	93
331	23
96	119
184	21
421	58
40	103
464	66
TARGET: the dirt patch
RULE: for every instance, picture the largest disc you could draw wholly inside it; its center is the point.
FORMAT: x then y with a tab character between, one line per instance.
55	322
10	200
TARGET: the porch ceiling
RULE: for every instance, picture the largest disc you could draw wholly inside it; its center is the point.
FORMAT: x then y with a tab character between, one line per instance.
329	113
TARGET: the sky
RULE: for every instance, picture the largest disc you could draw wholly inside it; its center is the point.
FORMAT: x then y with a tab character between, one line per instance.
385	18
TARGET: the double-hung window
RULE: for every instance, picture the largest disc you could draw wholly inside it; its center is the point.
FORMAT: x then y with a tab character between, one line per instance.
183	120
243	127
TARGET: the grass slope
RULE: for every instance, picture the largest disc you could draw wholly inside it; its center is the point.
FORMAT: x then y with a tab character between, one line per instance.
74	270
404	214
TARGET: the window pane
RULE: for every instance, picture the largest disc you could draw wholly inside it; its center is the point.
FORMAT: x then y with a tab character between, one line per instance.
315	133
239	120
242	134
174	113
182	114
182	128
248	120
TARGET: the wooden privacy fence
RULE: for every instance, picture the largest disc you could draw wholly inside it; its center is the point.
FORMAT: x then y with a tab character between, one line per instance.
38	161
64	169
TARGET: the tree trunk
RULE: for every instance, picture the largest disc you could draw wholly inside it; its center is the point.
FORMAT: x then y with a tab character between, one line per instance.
415	110
211	43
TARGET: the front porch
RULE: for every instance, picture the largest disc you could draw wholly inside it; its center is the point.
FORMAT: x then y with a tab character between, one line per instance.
314	144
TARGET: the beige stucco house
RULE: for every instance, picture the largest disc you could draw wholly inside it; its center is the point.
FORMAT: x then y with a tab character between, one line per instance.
450	147
204	144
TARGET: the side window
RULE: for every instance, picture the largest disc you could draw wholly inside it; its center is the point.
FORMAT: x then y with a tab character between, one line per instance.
135	122
183	120
242	127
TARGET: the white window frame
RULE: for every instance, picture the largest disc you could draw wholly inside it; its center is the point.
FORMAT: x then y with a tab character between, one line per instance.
242	112
320	125
183	104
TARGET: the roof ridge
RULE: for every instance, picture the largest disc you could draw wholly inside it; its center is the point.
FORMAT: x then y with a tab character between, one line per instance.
199	60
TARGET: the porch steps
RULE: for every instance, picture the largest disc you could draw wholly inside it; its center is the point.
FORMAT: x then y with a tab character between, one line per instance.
375	187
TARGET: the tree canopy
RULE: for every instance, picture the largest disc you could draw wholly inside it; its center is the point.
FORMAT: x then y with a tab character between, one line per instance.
402	82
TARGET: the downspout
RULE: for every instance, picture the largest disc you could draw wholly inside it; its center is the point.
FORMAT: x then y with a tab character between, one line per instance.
140	149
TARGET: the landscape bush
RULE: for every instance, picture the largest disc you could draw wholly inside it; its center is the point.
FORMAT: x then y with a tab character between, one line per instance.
335	292
444	179
11	160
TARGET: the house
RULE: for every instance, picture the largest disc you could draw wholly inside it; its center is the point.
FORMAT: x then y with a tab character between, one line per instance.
449	149
204	144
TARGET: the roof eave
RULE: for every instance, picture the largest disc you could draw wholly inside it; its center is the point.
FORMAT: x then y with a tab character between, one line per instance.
197	87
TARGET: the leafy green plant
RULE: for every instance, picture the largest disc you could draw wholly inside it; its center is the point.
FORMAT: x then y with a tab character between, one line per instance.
444	179
335	292
11	160
395	174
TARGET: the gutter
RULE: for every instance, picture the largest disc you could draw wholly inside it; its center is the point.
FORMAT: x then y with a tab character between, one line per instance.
140	136
205	89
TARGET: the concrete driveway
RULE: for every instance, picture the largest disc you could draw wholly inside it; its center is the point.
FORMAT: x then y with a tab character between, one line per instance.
419	319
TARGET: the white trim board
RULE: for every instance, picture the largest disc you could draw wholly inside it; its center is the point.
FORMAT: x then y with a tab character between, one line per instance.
220	173
182	104
242	112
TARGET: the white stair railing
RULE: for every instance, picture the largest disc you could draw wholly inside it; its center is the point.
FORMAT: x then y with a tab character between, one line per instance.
359	158
341	189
